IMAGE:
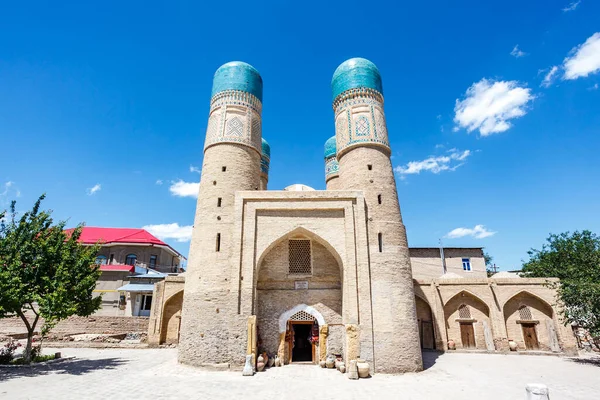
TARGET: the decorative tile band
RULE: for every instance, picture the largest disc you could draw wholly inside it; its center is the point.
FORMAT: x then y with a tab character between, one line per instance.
237	98
332	167
353	96
359	120
235	118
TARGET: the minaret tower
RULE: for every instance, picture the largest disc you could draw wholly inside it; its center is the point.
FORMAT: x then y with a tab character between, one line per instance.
363	153
332	167
265	160
232	154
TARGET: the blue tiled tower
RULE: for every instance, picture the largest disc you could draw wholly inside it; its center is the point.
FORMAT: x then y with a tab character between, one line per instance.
265	160
232	161
331	164
363	153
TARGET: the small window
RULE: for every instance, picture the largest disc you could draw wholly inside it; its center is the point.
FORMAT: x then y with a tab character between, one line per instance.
218	246
525	313
146	302
223	168
379	198
111	259
466	263
370	167
299	257
101	260
153	259
464	312
380	241
215	183
130	259
219	202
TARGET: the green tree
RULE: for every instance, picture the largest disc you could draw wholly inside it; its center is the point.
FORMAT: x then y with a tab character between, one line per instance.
575	259
488	264
44	271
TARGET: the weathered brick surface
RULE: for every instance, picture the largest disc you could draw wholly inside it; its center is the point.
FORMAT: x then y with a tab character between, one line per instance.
77	325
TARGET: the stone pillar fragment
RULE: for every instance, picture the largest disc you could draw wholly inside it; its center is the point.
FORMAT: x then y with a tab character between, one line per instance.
487	333
352	343
537	391
352	370
552	336
323	333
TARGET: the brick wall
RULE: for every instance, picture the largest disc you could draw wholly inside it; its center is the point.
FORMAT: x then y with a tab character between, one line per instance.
77	325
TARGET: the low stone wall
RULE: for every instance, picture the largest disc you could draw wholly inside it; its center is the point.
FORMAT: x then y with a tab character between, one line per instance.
77	325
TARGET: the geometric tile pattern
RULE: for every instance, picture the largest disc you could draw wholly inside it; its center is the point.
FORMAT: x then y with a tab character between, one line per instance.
300	261
301	316
363	127
332	167
234	118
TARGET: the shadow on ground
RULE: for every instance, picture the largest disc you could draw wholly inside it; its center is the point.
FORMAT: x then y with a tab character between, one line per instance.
595	361
72	367
430	357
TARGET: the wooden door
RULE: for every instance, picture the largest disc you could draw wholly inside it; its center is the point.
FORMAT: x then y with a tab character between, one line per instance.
426	331
530	337
467	335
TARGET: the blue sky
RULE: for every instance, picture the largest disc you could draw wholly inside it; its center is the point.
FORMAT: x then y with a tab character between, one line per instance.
493	110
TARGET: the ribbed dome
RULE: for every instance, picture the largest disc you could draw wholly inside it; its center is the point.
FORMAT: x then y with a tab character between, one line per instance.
266	149
355	73
238	75
330	147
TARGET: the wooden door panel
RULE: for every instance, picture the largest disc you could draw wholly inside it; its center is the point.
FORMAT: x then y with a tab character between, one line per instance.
427	340
467	336
530	337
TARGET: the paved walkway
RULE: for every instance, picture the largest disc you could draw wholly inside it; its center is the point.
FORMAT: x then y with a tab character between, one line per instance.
155	374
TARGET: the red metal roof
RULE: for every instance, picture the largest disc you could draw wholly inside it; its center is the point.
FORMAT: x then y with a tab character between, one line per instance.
117	267
104	236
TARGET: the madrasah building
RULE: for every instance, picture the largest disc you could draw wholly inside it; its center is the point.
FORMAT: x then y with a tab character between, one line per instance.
303	273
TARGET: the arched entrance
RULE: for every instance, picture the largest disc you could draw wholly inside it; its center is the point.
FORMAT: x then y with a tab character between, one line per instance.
425	321
298	288
171	319
302	333
468	321
529	322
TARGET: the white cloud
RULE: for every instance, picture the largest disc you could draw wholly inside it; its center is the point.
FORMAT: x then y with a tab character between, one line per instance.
594	87
478	232
96	188
184	189
517	53
489	106
572	7
195	169
549	77
159	182
171	231
8	190
435	164
584	59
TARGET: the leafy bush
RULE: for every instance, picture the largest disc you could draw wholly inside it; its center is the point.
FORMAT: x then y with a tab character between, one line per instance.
7	352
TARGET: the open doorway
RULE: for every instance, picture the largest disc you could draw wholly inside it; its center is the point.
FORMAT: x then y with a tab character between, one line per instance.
302	349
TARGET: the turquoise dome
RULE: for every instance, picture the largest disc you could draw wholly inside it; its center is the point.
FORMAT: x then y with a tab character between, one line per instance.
330	147
355	73
238	75
266	149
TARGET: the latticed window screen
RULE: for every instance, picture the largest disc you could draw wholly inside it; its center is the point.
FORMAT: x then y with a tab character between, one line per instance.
525	313
299	256
464	311
302	316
